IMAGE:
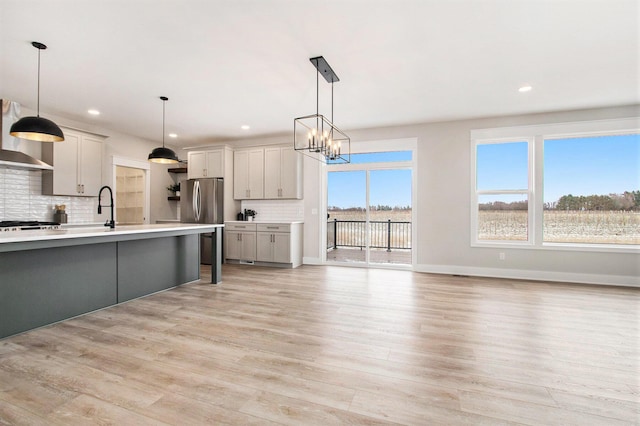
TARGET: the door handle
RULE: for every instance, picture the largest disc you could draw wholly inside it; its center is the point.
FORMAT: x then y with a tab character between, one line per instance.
196	200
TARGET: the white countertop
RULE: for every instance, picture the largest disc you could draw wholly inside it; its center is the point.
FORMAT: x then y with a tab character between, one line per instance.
275	222
100	231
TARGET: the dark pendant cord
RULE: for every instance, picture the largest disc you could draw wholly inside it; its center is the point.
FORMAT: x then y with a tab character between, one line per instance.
163	106
38	108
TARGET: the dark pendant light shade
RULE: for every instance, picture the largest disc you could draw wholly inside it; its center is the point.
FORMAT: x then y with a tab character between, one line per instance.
37	128
163	155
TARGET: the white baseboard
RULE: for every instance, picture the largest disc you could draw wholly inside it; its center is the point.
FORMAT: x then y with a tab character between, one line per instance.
523	274
311	261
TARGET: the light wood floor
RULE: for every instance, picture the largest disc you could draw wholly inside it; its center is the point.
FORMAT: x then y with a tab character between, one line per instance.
335	345
357	255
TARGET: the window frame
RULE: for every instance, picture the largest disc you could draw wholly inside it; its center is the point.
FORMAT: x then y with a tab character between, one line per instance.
535	136
522	191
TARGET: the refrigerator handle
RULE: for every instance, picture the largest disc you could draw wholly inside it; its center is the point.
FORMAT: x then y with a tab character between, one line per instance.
196	200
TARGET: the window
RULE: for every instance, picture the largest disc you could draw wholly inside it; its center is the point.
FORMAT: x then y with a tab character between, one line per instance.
377	157
502	183
563	185
591	190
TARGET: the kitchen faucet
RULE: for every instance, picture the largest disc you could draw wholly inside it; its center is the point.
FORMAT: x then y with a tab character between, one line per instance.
110	223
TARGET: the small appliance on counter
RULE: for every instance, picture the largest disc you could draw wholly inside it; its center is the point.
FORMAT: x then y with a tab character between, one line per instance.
60	215
249	215
240	216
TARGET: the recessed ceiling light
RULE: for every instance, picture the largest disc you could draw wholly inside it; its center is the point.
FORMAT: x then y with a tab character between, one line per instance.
245	127
525	89
93	112
173	135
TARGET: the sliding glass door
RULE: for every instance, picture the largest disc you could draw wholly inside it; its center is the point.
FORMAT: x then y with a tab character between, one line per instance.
390	216
369	210
347	216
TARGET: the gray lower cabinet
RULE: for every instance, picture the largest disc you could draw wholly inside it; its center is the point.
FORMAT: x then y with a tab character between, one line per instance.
44	285
268	244
274	246
148	266
240	241
39	287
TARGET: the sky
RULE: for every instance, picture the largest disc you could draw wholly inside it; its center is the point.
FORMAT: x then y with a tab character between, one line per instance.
579	166
388	187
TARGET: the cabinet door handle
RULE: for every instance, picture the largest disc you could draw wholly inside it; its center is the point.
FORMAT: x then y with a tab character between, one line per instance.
83	188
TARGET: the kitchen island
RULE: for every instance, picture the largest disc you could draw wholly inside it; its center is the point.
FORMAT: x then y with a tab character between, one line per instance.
51	275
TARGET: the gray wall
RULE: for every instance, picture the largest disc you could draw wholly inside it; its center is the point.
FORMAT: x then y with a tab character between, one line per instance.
443	222
443	206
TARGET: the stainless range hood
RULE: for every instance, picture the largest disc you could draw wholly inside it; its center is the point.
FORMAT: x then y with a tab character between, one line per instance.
9	154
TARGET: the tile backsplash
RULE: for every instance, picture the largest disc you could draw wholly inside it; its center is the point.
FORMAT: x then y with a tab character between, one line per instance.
21	199
276	210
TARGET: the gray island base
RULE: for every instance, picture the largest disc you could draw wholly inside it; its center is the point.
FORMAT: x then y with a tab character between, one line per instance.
49	276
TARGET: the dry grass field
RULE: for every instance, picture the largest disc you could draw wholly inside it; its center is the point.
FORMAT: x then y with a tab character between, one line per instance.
598	227
382	215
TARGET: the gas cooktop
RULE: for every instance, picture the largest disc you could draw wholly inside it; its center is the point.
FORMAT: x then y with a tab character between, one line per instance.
25	225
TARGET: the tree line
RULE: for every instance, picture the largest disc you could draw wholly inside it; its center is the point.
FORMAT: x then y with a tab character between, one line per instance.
627	201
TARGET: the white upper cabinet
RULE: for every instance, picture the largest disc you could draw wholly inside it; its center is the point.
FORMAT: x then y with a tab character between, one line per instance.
282	173
248	174
77	165
203	164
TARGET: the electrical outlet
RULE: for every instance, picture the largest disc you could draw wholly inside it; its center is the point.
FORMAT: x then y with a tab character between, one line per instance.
502	256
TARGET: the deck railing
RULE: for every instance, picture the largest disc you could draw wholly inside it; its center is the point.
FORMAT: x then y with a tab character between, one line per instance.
387	234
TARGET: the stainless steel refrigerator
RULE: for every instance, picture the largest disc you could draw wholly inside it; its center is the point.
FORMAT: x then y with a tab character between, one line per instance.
201	201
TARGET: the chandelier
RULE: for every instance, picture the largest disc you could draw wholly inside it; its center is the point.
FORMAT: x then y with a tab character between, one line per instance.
315	135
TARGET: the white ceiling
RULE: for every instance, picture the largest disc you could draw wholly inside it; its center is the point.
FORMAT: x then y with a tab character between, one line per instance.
225	63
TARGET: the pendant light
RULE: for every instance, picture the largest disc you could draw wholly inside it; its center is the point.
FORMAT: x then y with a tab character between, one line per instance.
37	128
163	155
314	134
